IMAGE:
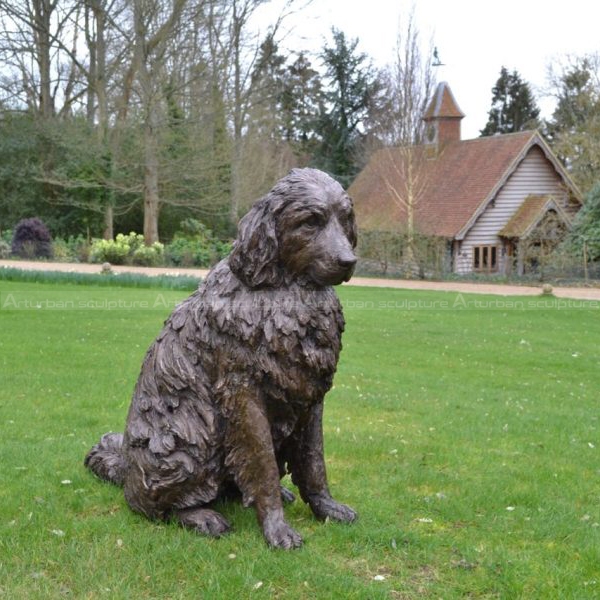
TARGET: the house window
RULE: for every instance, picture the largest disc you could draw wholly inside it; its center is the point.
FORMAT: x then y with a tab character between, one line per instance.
485	259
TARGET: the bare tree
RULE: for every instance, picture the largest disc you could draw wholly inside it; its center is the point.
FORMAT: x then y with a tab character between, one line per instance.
574	128
90	77
170	58
241	43
36	39
410	82
150	100
106	46
402	162
154	22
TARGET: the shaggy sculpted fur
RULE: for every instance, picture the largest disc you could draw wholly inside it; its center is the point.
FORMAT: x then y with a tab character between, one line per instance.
230	395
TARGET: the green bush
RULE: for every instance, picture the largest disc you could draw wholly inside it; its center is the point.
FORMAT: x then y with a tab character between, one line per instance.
72	249
586	228
195	246
132	240
60	250
149	256
4	249
194	229
183	252
115	252
79	248
127	249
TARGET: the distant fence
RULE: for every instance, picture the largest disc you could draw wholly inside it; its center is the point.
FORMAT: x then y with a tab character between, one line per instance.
425	257
397	254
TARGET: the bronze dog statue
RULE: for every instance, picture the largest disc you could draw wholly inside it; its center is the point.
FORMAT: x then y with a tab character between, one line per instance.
230	394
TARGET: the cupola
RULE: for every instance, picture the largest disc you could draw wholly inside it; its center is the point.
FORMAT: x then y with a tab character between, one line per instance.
443	117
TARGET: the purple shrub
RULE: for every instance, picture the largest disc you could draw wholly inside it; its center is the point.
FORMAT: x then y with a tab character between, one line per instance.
31	239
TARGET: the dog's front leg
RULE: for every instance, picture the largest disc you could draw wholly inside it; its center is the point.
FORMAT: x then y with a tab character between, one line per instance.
251	459
308	470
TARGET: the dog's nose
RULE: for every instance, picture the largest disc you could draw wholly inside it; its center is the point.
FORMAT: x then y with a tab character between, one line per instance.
346	262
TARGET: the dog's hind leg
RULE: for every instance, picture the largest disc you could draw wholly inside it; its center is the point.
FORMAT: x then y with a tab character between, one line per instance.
202	520
157	504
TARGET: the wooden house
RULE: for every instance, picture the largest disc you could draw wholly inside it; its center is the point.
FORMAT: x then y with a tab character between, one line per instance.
487	197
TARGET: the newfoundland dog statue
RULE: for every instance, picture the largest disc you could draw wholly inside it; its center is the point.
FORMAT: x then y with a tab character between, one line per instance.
230	394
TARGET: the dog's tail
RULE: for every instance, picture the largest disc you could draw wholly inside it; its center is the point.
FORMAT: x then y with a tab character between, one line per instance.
106	460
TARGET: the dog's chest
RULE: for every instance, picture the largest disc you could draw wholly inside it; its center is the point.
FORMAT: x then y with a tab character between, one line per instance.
298	346
289	338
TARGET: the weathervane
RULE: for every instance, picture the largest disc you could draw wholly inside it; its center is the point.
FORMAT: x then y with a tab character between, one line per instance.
436	59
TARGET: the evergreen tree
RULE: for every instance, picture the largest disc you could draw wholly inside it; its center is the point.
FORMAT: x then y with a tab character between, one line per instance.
289	98
263	155
513	105
578	97
267	85
353	86
301	101
586	228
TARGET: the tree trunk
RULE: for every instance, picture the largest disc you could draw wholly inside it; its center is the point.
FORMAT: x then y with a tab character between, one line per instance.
151	195
148	59
97	97
42	10
236	162
109	232
100	16
410	216
91	41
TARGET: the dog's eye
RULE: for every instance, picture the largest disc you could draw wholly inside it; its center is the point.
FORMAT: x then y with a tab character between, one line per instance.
345	219
313	221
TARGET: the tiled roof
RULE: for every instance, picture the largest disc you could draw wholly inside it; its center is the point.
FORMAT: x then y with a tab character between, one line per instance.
450	187
529	214
443	105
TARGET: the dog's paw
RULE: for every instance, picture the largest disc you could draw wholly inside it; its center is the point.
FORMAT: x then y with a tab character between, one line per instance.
203	521
287	495
325	507
280	535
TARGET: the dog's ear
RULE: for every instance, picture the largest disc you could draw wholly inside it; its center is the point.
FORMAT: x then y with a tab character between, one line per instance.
254	258
353	233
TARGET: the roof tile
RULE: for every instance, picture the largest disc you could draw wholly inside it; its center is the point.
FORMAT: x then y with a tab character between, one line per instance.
443	105
527	216
447	187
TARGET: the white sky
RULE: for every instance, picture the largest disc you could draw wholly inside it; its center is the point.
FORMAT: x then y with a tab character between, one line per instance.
475	38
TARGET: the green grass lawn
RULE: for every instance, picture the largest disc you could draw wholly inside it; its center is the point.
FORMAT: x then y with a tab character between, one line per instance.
466	436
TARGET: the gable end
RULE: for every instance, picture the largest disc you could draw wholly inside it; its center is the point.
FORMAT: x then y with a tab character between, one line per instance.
535	141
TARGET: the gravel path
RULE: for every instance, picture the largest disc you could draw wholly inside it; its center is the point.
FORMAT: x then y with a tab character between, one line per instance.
576	293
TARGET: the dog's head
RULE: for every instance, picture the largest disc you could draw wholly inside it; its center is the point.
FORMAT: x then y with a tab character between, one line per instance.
304	228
